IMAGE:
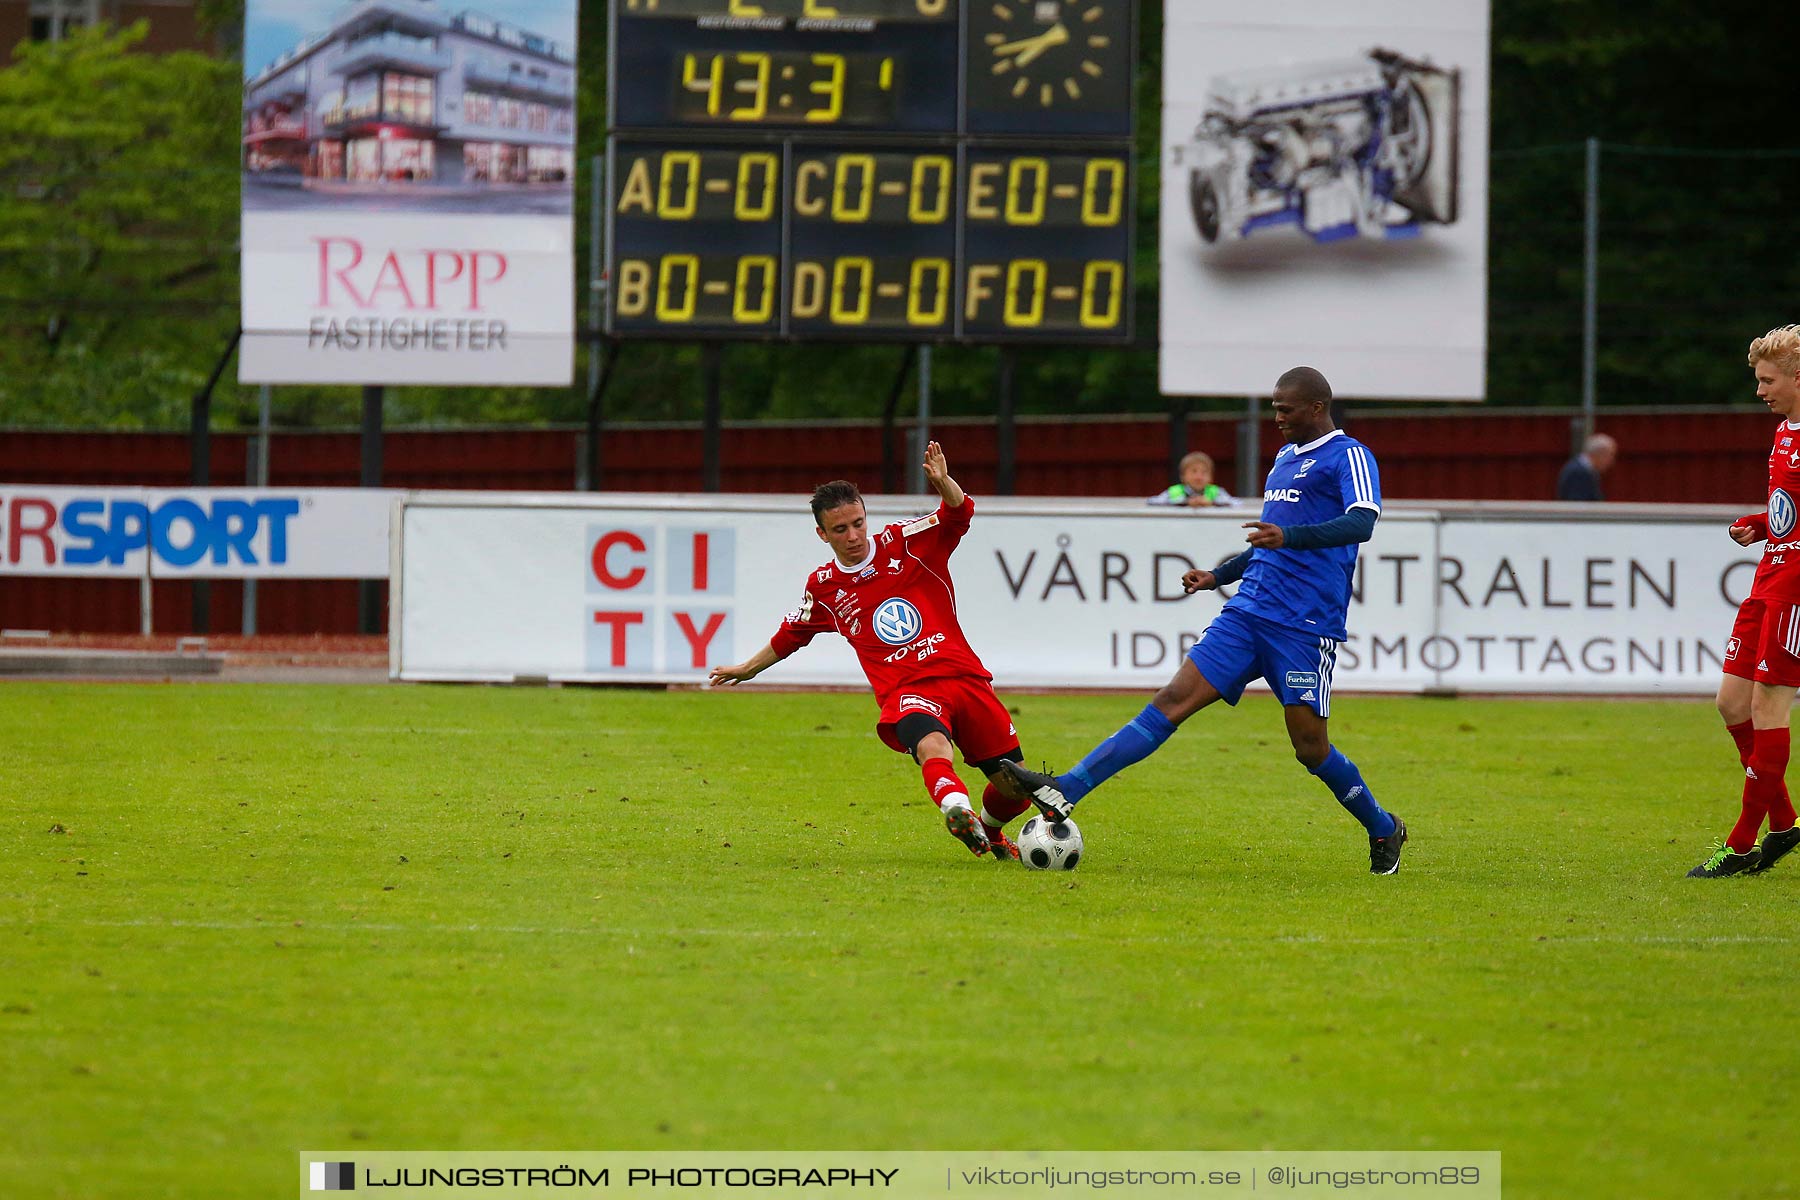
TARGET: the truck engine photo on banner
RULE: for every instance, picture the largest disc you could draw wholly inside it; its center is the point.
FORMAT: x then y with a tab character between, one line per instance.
1324	197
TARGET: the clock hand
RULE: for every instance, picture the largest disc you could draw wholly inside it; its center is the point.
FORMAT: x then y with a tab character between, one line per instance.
1029	48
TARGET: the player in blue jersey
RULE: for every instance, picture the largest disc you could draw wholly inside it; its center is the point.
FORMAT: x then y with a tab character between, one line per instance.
1320	503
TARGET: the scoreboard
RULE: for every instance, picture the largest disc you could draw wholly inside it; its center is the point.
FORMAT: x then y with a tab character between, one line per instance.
918	170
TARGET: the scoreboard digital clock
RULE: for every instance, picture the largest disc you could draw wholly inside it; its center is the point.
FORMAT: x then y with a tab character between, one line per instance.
872	169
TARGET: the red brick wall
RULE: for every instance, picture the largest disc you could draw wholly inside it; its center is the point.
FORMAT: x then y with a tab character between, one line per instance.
1688	457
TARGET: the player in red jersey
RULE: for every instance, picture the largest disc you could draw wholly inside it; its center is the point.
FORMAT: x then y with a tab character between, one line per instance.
1762	656
889	595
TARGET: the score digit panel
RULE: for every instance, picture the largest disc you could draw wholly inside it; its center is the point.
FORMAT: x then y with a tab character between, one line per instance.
872	243
1046	246
916	244
696	240
979	68
868	66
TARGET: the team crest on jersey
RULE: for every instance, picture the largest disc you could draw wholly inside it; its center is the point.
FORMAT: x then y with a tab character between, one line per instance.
1305	467
893	566
1303	679
1731	649
919	526
897	622
1781	514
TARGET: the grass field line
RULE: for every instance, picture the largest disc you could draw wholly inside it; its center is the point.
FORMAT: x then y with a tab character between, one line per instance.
611	931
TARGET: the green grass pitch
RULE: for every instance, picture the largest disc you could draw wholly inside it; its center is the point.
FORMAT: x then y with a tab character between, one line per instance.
240	920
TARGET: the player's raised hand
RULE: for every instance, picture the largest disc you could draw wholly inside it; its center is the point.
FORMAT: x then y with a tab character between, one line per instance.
1198	581
935	465
1743	535
937	474
1265	536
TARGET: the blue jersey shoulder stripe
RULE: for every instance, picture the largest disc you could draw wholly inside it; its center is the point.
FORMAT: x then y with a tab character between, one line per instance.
1359	476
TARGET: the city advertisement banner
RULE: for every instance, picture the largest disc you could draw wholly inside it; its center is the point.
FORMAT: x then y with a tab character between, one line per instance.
408	193
195	533
646	589
1324	196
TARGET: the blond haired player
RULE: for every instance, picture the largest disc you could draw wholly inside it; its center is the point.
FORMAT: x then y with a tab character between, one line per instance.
1762	656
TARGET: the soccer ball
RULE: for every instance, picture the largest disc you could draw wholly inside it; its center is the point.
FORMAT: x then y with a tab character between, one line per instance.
1050	845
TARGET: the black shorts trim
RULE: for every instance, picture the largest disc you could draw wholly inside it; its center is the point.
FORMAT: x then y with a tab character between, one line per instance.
988	766
915	727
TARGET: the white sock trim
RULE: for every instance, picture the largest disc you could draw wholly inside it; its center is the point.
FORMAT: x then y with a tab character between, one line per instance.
955	800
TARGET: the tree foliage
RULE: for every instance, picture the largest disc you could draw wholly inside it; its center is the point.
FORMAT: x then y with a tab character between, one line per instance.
118	212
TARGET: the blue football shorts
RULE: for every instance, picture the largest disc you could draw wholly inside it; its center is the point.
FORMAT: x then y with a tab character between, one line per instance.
1237	648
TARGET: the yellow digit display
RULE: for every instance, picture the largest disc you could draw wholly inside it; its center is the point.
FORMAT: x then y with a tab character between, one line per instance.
756	86
928	277
883	11
692	81
675	287
680	169
754	271
855	176
1102	282
851	281
928	197
1025	187
1024	307
831	87
1103	177
759	172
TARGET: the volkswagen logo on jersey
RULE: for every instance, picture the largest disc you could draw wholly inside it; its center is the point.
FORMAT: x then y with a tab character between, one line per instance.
897	622
1781	515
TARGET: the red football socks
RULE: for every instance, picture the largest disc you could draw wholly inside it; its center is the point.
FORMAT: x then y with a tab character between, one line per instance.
1765	789
941	781
1744	734
1772	749
997	808
1780	807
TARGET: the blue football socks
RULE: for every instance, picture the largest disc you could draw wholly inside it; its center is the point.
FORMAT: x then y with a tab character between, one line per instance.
1346	783
1135	741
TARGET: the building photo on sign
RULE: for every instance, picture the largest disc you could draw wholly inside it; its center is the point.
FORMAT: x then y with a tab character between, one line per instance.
1324	168
408	192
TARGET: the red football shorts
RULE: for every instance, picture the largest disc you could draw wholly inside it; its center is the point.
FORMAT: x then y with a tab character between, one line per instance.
978	723
1764	645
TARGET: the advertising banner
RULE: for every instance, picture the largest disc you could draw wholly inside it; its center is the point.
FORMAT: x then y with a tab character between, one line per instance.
1324	196
408	193
195	533
1058	594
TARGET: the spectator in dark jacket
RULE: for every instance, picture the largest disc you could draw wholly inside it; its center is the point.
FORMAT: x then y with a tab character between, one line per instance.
1580	478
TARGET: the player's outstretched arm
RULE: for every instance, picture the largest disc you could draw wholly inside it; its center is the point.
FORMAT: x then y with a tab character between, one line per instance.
937	473
747	670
